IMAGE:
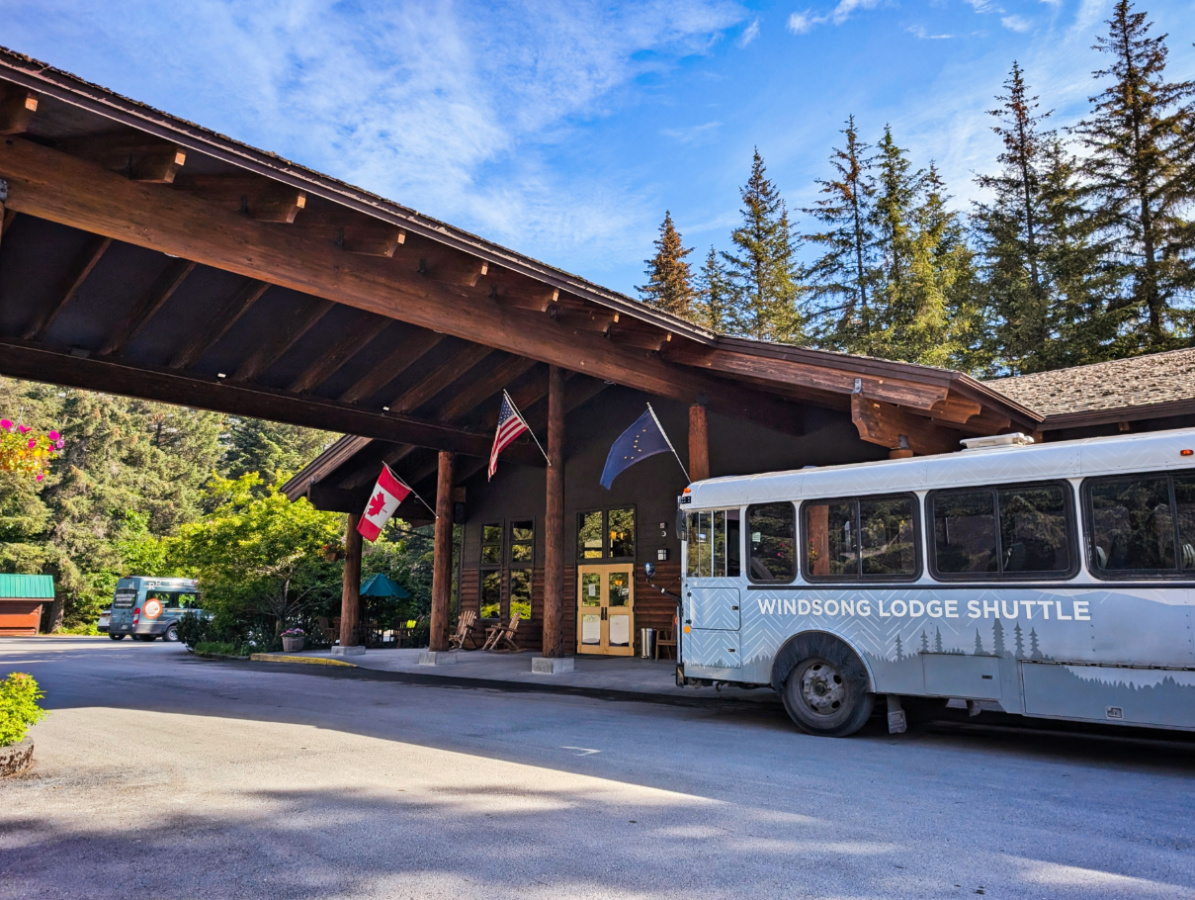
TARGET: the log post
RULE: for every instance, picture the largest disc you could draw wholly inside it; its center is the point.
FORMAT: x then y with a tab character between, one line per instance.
554	520
350	592
699	443
442	557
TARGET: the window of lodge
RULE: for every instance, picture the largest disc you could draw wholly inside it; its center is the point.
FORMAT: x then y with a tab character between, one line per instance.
606	534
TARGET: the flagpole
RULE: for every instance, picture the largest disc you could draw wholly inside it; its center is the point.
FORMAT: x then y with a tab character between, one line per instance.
530	431
668	442
411	489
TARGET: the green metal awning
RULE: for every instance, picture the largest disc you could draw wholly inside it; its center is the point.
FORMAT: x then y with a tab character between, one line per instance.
26	587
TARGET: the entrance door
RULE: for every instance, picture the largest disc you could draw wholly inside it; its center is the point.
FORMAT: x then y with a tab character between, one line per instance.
606	610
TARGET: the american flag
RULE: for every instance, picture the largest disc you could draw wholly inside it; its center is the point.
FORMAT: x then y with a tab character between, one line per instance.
510	426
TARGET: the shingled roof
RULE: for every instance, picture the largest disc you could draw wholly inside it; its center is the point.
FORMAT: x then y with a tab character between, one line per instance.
1158	381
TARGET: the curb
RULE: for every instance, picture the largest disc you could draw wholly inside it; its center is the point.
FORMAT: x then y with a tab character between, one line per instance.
336	669
216	656
303	660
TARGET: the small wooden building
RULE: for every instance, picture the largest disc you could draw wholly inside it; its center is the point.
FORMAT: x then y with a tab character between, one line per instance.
21	600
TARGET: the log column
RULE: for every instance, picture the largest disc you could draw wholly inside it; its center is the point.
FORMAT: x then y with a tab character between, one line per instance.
442	557
554	520
699	443
350	592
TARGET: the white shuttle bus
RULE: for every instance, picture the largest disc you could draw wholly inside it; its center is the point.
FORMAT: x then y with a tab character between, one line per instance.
1055	581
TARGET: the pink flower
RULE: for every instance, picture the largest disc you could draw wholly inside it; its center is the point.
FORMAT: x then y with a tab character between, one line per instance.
60	444
40	477
22	428
53	435
6	424
32	443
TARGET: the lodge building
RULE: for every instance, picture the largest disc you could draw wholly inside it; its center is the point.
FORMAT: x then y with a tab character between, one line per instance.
144	255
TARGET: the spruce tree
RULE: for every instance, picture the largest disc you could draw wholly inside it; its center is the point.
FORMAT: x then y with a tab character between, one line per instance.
895	191
762	268
840	280
669	287
714	305
933	316
1140	139
1010	230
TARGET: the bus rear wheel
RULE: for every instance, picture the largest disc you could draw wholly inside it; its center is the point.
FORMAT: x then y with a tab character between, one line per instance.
116	637
827	694
171	634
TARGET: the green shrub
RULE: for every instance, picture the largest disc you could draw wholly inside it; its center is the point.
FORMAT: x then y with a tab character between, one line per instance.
87	628
219	648
19	709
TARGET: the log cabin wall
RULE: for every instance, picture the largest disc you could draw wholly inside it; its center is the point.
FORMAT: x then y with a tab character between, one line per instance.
651	487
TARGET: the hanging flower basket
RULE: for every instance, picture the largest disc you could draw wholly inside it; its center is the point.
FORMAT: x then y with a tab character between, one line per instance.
23	451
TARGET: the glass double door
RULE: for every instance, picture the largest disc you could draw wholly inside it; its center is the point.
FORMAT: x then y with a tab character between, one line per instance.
606	610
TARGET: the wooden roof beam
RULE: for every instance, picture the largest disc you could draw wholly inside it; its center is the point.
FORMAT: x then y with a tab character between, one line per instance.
372	238
289	334
130	153
250	195
146	308
218	325
16	110
56	186
439	378
82	266
896	428
20	360
405	354
335	357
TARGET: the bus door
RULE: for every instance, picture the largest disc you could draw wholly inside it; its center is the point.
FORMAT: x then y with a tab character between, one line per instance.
712	599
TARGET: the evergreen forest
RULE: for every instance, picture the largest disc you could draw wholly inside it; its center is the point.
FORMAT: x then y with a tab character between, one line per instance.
1081	250
142	488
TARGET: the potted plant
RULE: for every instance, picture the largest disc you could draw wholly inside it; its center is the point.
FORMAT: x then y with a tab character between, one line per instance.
19	709
293	640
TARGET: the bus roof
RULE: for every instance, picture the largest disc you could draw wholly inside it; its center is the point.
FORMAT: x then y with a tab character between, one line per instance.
165	584
997	465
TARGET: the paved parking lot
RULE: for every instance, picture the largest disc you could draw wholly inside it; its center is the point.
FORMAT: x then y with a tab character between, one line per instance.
162	776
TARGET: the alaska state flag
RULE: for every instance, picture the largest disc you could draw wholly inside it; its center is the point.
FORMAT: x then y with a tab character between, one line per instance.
643	439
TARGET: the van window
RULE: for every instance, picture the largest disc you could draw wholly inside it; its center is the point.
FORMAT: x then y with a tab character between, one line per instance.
771	546
1019	531
1141	524
713	544
861	537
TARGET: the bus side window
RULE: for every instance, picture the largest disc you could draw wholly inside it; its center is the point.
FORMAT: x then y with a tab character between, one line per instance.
1184	496
1035	529
1132	526
965	532
771	548
713	544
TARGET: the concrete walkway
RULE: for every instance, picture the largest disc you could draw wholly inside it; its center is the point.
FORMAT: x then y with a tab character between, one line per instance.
592	675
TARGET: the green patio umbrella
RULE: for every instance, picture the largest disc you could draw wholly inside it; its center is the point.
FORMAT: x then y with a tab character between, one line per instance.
381	586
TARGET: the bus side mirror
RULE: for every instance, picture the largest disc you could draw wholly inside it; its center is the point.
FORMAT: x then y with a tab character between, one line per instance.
649	569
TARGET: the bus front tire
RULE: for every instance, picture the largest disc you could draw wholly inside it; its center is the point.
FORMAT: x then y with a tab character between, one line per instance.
826	692
116	637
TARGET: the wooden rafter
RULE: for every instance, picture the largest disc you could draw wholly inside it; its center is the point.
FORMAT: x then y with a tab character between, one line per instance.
133	155
287	335
16	111
153	300
22	360
894	427
83	266
439	378
334	358
218	325
408	352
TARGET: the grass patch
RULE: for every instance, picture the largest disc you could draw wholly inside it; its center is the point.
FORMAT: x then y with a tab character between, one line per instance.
219	648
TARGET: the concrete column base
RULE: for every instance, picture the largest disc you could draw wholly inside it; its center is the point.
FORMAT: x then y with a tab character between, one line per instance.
348	651
551	665
437	658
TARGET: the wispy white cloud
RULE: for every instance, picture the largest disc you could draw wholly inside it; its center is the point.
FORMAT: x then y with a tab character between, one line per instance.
804	22
1016	23
922	34
691	134
750	33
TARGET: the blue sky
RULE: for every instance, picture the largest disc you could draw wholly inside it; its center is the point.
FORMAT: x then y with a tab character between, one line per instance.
565	129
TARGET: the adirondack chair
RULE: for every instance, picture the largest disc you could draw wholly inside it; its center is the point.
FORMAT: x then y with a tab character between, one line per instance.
503	637
464	625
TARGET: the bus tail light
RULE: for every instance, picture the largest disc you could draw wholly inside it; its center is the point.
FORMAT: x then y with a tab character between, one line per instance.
136	616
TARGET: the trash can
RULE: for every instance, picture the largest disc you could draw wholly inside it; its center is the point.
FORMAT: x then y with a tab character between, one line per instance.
647	643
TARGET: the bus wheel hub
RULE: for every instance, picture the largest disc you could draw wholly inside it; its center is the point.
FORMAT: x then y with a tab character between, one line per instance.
822	688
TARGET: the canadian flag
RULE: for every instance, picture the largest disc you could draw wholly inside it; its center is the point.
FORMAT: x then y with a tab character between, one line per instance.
387	494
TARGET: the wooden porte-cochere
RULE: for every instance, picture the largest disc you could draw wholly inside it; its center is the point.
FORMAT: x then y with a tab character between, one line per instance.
606	610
